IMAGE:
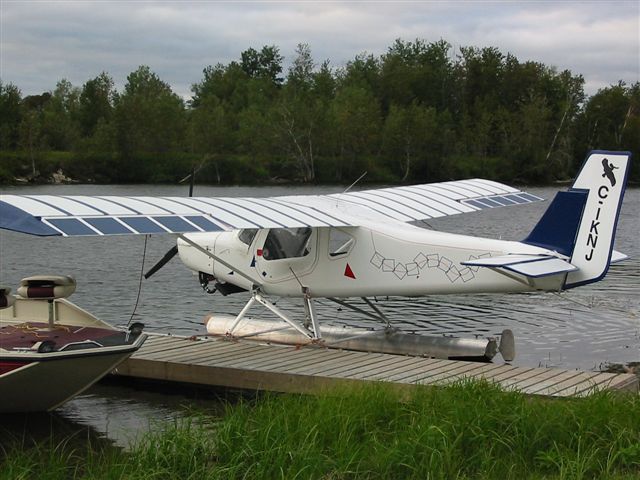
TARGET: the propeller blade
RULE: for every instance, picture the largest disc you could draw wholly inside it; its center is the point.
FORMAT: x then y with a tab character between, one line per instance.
163	261
172	252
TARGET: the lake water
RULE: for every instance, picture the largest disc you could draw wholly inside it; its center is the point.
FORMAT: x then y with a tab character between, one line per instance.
584	328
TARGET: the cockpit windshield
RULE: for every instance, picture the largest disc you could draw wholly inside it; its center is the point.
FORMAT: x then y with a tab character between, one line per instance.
286	243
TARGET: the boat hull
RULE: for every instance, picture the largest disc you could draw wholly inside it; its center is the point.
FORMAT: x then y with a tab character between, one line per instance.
43	363
44	383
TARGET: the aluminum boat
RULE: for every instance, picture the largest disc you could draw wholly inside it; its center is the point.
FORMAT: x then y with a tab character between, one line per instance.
51	349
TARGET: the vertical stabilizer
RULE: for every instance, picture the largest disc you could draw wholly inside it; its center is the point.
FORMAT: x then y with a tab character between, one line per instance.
604	177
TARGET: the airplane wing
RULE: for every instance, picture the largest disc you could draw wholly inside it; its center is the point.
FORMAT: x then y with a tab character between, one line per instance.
47	215
422	202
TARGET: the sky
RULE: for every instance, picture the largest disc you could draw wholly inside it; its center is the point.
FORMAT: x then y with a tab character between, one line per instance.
42	42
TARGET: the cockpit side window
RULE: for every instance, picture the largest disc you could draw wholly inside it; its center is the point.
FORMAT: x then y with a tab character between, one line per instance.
247	235
340	243
286	243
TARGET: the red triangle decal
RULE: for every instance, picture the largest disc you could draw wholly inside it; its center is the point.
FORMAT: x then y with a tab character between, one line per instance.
348	272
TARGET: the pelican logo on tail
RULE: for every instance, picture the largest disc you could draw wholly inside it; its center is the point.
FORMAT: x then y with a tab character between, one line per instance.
608	171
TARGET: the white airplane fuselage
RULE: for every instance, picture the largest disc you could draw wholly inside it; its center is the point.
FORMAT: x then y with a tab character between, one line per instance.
378	260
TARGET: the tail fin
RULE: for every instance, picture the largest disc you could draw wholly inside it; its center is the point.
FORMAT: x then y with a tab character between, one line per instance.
581	223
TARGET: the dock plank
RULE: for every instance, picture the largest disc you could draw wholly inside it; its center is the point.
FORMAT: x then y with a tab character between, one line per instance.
180	354
164	345
455	373
430	369
302	361
217	352
381	374
547	383
201	355
592	382
334	370
419	368
319	363
221	355
254	360
382	364
160	355
255	366
624	382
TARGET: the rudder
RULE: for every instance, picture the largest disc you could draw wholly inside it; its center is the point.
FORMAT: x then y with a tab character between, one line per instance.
604	177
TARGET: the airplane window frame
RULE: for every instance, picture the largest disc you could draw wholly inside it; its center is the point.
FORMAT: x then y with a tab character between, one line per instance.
345	242
253	234
274	249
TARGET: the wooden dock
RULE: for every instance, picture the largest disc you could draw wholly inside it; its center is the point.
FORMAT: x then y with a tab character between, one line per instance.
253	366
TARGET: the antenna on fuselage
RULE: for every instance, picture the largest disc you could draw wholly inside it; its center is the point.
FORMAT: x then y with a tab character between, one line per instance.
353	184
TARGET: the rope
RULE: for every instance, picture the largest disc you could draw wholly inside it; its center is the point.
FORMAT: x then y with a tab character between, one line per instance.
27	329
144	254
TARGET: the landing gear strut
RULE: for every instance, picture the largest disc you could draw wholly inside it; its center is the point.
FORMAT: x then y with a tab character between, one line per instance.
257	297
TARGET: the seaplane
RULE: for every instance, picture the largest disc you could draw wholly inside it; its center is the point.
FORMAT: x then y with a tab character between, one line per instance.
356	244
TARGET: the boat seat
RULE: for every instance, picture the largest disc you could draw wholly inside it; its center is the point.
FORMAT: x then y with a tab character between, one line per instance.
47	287
6	300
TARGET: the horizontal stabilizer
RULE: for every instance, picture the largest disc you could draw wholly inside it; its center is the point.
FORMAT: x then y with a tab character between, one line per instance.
543	268
533	266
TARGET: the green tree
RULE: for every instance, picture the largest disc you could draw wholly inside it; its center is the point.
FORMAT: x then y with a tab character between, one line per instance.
413	113
362	72
482	70
60	117
31	137
608	113
209	132
149	116
611	121
357	120
417	71
30	129
300	114
96	103
409	133
267	63
324	83
10	116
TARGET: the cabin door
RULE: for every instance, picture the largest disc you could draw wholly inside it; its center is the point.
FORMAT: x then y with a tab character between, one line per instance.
283	252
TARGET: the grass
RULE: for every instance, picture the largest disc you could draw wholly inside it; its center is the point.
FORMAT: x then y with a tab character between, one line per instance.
469	431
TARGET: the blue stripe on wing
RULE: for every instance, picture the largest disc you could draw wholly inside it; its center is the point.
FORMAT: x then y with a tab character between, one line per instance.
17	220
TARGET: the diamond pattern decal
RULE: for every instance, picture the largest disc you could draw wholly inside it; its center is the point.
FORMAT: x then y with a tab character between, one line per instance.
422	261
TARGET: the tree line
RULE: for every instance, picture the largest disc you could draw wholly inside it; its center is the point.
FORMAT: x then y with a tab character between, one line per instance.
417	113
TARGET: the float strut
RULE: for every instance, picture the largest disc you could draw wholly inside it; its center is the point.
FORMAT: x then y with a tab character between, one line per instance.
257	297
377	310
311	314
241	315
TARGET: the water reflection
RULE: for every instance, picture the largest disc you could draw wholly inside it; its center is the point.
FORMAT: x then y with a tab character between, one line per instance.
49	428
114	414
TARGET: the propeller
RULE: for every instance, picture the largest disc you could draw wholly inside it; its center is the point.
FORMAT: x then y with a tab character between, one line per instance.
191	177
163	261
174	250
